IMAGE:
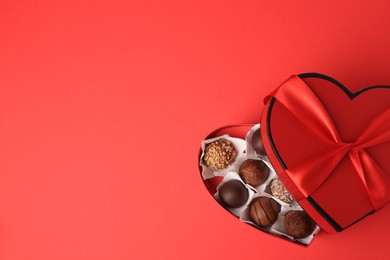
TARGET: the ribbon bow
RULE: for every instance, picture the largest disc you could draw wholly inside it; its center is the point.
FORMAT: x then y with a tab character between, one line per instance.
299	99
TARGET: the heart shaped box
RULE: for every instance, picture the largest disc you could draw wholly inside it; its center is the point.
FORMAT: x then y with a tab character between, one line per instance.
330	147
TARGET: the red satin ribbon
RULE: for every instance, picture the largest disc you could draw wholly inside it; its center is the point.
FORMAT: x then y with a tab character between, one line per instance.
298	98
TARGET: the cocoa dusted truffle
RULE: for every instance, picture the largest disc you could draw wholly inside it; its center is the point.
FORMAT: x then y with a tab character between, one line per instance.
253	172
219	154
264	211
233	194
298	224
279	191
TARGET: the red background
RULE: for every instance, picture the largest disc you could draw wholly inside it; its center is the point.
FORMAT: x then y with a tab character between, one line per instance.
103	105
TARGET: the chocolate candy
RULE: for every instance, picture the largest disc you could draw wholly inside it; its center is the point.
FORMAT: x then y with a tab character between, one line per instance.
233	194
257	143
253	172
264	211
298	224
219	154
279	191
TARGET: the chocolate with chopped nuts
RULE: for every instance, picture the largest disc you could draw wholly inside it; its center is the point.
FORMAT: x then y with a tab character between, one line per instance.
219	154
279	191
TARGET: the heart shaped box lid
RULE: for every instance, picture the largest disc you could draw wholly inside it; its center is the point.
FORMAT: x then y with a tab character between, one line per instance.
330	147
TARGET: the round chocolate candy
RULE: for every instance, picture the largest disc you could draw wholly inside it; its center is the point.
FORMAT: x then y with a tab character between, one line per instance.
257	143
298	224
219	154
233	194
279	191
253	172
264	211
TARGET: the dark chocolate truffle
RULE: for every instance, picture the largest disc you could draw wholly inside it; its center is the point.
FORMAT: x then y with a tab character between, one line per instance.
233	194
253	172
264	211
279	191
219	154
298	224
257	143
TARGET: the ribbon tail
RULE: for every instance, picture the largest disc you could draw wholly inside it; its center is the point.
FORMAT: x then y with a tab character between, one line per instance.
376	180
377	132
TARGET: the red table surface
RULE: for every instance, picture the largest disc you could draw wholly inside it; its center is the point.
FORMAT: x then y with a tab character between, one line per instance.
103	105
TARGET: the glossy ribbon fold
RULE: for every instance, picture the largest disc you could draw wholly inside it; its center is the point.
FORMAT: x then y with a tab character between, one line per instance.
295	95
